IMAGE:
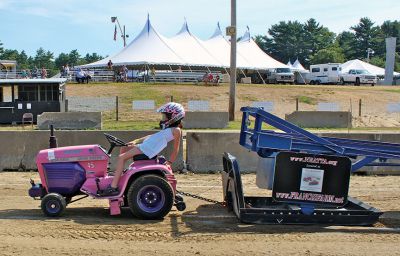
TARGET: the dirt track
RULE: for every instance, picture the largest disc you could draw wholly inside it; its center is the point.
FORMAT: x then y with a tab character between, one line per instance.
202	229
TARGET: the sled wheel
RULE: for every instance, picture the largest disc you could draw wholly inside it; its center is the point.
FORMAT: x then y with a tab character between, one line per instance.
53	204
150	197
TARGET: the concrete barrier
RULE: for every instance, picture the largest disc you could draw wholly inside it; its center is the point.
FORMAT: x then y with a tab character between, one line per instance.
204	151
204	120
320	119
70	120
20	147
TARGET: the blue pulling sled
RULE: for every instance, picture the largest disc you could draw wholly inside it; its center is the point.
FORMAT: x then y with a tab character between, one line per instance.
310	174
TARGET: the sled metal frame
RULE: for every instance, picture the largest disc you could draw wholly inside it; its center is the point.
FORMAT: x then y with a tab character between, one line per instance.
264	210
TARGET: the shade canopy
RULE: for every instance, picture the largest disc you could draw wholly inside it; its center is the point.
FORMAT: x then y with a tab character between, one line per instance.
185	49
358	64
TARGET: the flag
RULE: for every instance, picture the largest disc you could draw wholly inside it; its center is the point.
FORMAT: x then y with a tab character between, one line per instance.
115	33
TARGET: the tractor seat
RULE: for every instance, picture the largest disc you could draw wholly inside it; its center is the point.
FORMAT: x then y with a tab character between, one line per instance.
142	157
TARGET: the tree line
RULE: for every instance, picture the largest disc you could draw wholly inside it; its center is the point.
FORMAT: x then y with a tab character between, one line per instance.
46	59
313	43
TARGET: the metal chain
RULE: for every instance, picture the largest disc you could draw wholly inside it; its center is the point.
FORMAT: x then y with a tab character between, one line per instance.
200	198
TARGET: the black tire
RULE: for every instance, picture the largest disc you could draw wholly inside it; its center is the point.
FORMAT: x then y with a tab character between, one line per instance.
342	82
372	84
150	197
312	82
53	205
317	82
357	82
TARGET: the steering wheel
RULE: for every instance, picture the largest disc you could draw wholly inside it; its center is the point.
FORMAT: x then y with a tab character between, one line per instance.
115	141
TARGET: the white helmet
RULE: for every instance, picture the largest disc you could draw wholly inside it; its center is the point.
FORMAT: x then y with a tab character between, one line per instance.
174	112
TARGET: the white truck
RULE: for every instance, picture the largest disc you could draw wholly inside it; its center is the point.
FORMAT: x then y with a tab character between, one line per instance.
357	77
324	74
280	75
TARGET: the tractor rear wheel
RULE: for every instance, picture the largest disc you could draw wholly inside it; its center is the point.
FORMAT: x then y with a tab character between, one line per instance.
150	197
53	204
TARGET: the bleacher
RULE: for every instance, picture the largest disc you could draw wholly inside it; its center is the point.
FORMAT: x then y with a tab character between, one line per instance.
182	77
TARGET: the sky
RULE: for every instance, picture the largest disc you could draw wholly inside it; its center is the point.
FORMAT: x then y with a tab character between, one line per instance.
85	25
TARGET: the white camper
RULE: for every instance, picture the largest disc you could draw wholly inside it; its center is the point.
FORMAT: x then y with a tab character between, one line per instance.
324	74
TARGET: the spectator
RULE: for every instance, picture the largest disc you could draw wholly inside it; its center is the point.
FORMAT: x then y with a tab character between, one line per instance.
153	73
80	76
35	72
110	65
24	74
43	73
125	73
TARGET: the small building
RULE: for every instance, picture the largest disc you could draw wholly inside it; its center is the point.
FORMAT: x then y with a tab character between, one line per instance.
19	96
8	69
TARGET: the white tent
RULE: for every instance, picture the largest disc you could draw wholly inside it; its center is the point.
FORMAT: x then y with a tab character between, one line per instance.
219	47
192	50
297	66
358	64
151	48
256	57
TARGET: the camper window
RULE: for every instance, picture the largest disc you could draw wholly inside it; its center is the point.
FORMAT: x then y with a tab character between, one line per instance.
315	70
325	69
334	68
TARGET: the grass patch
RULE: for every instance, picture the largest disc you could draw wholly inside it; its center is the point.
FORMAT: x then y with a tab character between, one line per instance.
392	90
129	125
307	100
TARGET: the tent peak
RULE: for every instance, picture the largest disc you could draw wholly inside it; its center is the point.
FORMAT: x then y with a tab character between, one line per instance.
185	28
217	31
246	36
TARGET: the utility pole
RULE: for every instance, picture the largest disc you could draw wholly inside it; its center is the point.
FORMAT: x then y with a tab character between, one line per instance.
123	35
231	31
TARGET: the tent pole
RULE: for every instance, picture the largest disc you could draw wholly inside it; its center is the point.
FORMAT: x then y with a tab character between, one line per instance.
260	76
242	72
172	72
190	69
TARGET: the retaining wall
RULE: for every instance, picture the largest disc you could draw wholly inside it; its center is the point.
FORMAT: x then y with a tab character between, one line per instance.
69	120
204	150
320	119
19	148
204	120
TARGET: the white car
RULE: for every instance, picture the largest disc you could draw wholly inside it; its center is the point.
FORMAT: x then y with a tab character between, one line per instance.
358	76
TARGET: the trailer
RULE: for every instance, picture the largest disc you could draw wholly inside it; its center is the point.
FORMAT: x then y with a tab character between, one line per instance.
310	174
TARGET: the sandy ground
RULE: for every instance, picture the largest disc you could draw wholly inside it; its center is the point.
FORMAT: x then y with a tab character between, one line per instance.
202	229
374	100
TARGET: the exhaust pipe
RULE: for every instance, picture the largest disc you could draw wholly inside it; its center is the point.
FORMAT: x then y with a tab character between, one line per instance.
53	139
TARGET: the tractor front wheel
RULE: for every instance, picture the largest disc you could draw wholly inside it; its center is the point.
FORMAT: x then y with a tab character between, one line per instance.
53	204
150	197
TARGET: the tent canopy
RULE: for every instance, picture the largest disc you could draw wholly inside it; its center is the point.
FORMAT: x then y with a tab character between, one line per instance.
358	64
185	49
297	66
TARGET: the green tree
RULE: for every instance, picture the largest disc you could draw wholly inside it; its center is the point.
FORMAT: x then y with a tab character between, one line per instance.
347	41
285	41
62	60
1	48
288	40
74	57
332	54
89	58
367	36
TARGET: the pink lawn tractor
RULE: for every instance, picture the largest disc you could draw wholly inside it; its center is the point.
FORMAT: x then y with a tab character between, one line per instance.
147	186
